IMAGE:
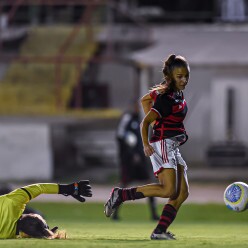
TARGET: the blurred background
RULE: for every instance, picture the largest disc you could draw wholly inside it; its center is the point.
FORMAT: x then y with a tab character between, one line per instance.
70	68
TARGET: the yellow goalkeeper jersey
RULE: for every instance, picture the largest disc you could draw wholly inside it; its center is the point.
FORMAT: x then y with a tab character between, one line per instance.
13	204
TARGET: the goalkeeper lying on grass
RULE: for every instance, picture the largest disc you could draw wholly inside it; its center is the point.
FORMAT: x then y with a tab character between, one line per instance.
12	220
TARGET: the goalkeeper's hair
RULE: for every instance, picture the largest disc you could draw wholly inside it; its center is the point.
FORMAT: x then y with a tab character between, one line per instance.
173	61
34	226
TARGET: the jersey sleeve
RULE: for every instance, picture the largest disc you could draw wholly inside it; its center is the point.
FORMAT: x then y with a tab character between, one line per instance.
25	194
162	106
153	94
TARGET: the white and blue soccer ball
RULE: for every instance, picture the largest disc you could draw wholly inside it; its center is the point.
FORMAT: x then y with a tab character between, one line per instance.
236	196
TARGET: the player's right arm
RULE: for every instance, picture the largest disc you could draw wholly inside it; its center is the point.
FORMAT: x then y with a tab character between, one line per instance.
148	100
146	103
144	126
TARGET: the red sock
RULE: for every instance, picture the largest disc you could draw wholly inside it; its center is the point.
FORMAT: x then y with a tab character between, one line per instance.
167	217
128	194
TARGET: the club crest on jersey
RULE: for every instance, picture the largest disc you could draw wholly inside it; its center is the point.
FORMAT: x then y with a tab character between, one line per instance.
179	107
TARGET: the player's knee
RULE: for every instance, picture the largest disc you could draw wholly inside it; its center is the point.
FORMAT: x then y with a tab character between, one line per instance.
168	192
184	195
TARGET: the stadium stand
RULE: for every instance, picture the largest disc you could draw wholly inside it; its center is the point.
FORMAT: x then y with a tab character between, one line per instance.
30	87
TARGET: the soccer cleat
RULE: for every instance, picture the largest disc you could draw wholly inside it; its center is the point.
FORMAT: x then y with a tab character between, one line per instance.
158	235
113	202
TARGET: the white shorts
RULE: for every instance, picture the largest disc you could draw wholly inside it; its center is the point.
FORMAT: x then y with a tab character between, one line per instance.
166	155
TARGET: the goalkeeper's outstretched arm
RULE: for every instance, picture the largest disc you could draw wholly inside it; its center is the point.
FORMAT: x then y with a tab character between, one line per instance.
78	190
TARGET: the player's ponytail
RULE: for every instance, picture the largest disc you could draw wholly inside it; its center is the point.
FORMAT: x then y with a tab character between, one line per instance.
168	65
165	84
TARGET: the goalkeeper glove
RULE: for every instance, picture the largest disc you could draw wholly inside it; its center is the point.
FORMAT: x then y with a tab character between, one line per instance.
77	190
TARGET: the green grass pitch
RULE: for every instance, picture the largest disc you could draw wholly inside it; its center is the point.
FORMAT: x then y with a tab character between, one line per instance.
196	226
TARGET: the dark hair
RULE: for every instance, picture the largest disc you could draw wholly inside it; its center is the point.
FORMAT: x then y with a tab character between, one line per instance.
170	63
34	226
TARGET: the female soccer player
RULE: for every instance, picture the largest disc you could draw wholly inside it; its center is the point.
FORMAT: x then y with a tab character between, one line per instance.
166	116
12	220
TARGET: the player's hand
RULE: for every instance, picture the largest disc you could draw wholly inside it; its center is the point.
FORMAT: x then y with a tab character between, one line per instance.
82	188
148	150
78	190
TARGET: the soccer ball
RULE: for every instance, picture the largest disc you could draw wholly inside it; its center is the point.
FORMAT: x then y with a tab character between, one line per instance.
236	196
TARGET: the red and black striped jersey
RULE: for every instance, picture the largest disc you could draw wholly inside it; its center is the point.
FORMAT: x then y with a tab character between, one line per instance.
171	109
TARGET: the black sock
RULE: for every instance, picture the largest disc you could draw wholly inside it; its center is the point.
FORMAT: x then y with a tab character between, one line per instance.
167	217
128	194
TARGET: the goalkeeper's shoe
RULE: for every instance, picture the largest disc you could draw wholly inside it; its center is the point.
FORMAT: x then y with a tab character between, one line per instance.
113	202
159	235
